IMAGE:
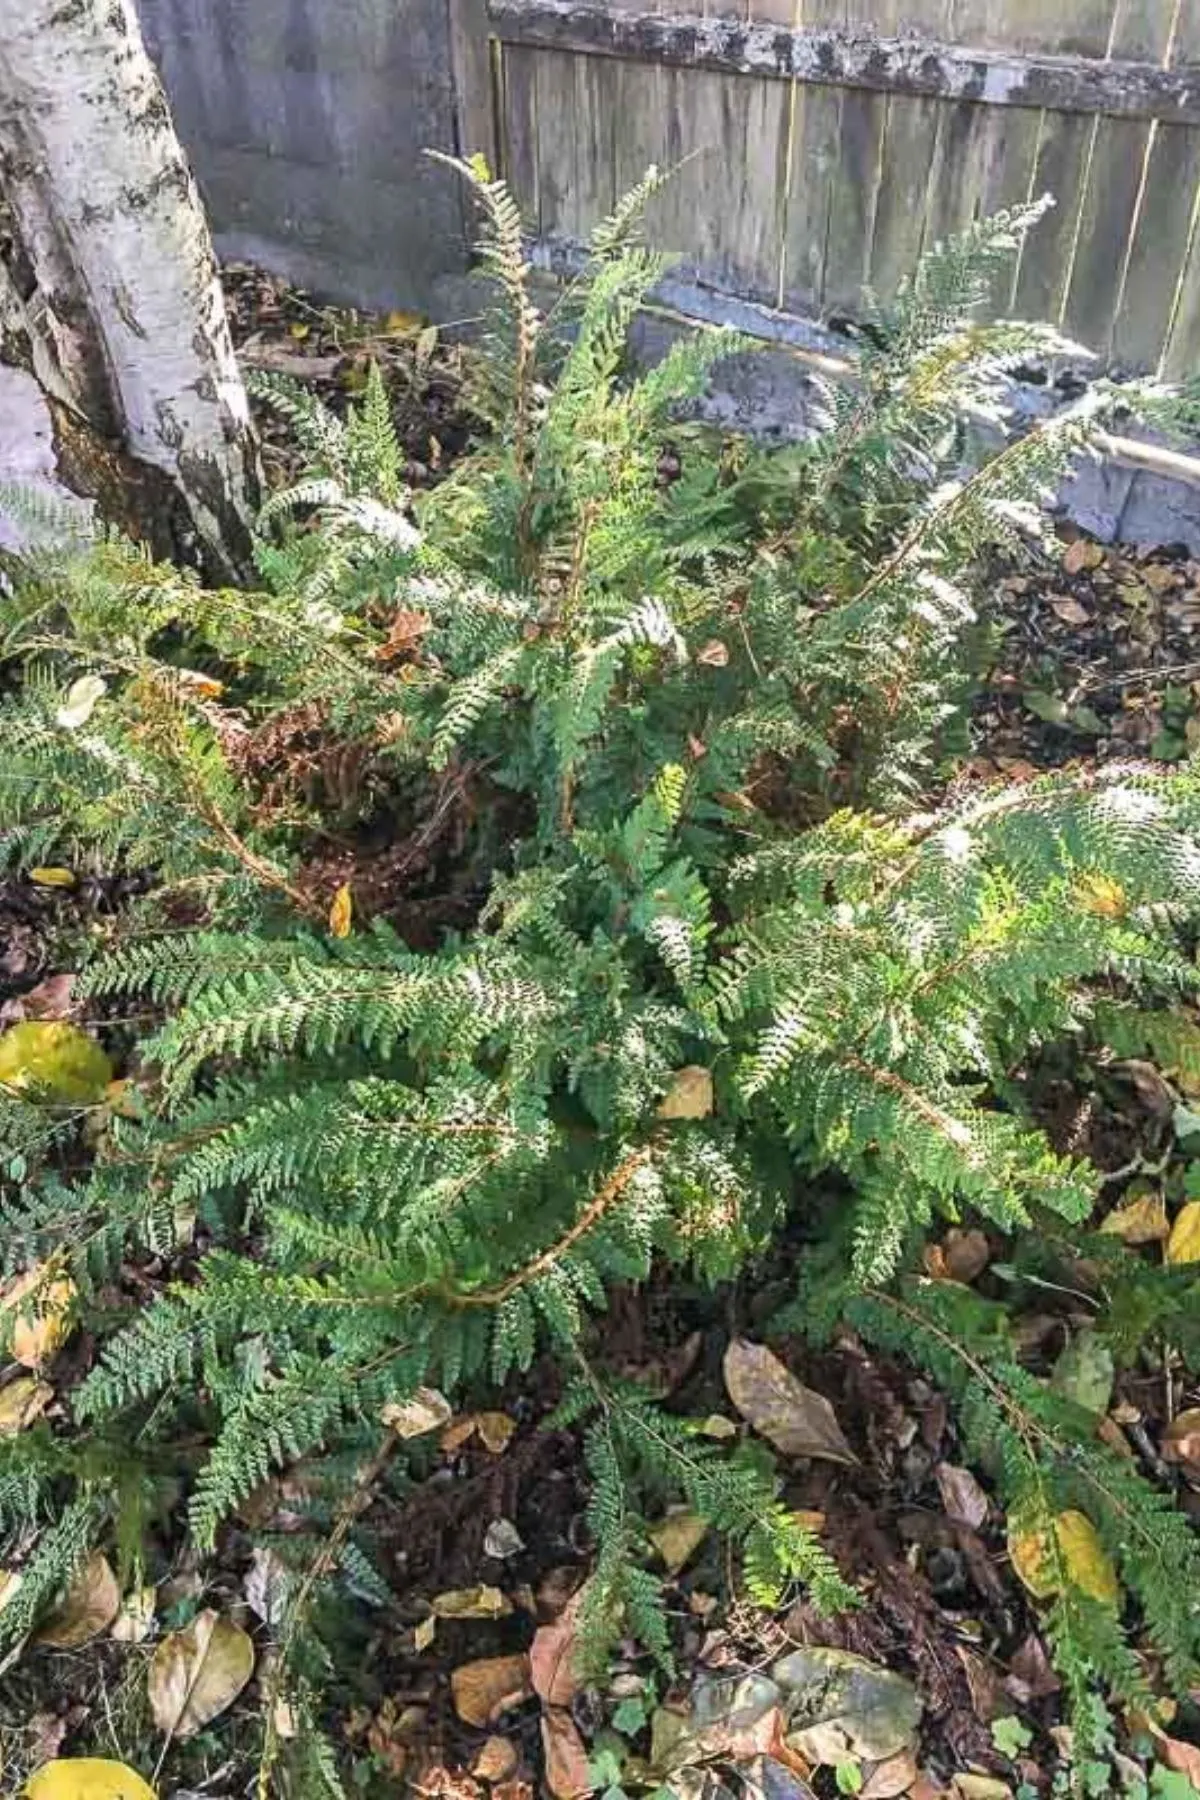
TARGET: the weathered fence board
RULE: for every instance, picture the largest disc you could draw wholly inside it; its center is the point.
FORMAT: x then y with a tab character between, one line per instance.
825	143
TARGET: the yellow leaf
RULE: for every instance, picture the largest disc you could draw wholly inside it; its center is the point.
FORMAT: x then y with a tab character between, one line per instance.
1183	1246
690	1095
92	1602
678	1537
425	1633
1081	1556
717	1426
495	1431
341	913
402	324
87	1778
197	1672
52	878
1102	896
299	331
40	1301
427	1410
479	1602
1140	1221
21	1402
50	1057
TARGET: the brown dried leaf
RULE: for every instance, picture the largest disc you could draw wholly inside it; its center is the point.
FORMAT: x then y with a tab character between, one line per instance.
714	654
1181	1439
21	1402
426	1410
967	1254
888	1780
198	1672
1069	610
796	1419
962	1496
1184	1758
567	1774
479	1602
495	1431
485	1689
690	1095
1031	1674
1140	1221
552	1655
497	1760
1082	555
92	1602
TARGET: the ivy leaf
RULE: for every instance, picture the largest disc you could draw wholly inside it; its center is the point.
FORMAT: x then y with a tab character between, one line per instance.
197	1673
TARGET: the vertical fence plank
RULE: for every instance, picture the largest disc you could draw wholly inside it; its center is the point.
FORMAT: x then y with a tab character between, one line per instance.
1180	354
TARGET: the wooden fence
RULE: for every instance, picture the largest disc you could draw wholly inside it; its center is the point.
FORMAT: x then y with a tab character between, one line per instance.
824	142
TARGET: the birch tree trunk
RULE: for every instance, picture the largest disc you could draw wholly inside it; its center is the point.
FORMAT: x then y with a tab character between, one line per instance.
110	222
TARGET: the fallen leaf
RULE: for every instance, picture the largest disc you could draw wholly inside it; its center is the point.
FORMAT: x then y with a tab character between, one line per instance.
341	912
497	1760
52	878
89	1607
50	999
1085	1372
1069	610
135	1621
268	1587
21	1402
1101	896
713	655
426	1410
52	1058
980	1787
552	1654
962	1496
1081	555
425	1633
1183	1246
888	1780
502	1540
1183	1757
690	1095
198	685
677	1537
197	1672
495	1431
41	1302
1140	1221
875	1711
967	1254
1085	1561
796	1419
479	1602
566	1759
717	1426
80	701
1031	1673
1181	1439
86	1778
484	1689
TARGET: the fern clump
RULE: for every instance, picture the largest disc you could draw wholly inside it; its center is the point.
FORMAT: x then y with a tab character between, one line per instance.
737	935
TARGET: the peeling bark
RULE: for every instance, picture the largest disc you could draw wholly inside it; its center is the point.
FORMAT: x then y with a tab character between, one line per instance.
108	215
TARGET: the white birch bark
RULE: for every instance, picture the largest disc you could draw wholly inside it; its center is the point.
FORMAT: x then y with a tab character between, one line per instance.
109	216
